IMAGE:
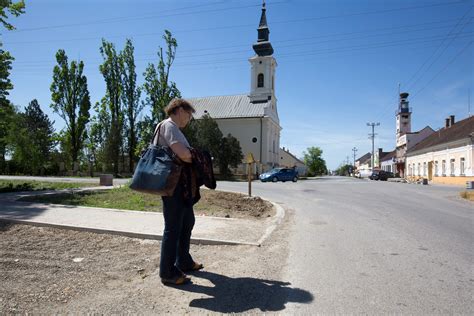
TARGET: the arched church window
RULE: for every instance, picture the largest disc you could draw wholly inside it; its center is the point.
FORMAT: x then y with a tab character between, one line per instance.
260	81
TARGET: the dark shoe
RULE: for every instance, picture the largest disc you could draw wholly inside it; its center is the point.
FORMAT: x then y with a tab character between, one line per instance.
195	267
178	280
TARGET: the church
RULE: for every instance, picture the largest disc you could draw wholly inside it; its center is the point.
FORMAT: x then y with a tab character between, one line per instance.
252	118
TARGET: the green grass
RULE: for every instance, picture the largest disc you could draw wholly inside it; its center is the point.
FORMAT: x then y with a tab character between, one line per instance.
32	185
212	203
118	198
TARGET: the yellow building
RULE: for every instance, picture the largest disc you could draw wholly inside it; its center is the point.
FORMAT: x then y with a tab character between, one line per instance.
446	156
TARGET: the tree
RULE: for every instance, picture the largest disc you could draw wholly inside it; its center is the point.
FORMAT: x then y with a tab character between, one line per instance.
31	139
7	113
206	135
157	86
345	170
14	8
5	84
131	100
230	154
112	71
98	132
314	161
71	102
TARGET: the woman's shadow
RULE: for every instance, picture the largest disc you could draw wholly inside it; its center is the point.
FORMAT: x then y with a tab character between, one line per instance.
236	295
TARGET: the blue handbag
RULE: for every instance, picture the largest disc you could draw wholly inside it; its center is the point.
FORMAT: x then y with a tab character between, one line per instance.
157	171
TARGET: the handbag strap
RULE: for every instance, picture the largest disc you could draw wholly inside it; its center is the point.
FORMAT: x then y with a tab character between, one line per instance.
154	134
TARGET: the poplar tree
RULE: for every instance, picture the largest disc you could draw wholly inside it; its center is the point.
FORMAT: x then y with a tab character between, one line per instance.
159	89
6	109
71	102
131	100
112	71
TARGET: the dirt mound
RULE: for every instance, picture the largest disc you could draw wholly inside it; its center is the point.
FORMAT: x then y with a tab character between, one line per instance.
233	205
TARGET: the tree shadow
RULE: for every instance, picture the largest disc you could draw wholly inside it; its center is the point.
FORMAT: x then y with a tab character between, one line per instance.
237	295
20	210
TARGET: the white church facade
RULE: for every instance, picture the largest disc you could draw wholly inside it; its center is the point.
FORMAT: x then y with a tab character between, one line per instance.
251	118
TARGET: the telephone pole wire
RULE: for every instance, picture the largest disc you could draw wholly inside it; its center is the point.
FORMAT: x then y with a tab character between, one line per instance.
372	136
354	151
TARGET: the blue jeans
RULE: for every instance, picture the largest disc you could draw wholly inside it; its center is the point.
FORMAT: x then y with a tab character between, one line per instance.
179	222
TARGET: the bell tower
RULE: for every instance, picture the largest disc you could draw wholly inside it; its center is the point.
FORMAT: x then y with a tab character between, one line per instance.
262	83
403	116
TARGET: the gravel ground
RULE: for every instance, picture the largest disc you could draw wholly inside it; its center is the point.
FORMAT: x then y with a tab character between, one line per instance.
46	270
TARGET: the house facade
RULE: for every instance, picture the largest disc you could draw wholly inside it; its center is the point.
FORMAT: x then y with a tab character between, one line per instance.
251	118
364	166
446	156
387	163
287	159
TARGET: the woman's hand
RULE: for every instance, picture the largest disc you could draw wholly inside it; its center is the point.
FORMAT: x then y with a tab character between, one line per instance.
182	152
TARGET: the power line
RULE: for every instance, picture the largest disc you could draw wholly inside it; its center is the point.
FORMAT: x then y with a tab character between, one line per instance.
444	68
131	35
276	46
301	53
121	19
448	36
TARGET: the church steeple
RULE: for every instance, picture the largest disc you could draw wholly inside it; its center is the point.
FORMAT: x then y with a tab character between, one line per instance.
263	47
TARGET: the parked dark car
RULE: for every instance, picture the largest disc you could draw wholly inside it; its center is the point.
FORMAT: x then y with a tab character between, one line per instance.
381	175
280	174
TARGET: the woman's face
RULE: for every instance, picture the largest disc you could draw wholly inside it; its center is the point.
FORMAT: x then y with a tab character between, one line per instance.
184	117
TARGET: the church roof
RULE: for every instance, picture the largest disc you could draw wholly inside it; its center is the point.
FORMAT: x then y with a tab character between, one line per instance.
228	106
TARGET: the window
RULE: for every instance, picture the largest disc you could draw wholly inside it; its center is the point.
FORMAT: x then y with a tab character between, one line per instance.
424	169
461	166
443	168
451	166
436	168
409	170
419	169
260	81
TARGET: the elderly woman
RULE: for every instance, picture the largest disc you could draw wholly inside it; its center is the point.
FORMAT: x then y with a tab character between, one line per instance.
177	213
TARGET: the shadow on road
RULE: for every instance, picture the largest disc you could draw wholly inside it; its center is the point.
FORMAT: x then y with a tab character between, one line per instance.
237	295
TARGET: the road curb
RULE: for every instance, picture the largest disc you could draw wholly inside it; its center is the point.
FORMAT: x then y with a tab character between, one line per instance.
274	222
201	241
280	214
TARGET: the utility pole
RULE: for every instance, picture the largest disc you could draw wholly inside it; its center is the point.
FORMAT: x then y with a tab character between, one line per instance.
372	136
354	150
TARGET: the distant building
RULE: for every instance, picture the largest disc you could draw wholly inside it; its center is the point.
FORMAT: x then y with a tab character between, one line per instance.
287	159
251	118
364	166
387	163
446	156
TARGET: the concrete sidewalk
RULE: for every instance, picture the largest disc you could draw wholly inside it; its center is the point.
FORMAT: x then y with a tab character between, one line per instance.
149	225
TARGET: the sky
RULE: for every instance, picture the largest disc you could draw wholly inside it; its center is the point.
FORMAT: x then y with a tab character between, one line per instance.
341	63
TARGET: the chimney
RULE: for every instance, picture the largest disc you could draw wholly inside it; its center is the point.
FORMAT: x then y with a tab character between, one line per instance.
451	118
283	148
446	125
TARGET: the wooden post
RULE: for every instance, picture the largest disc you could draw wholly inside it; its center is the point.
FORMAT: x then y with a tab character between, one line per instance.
250	161
250	177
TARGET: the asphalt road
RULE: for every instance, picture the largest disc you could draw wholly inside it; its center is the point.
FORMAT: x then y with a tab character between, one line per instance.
362	246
